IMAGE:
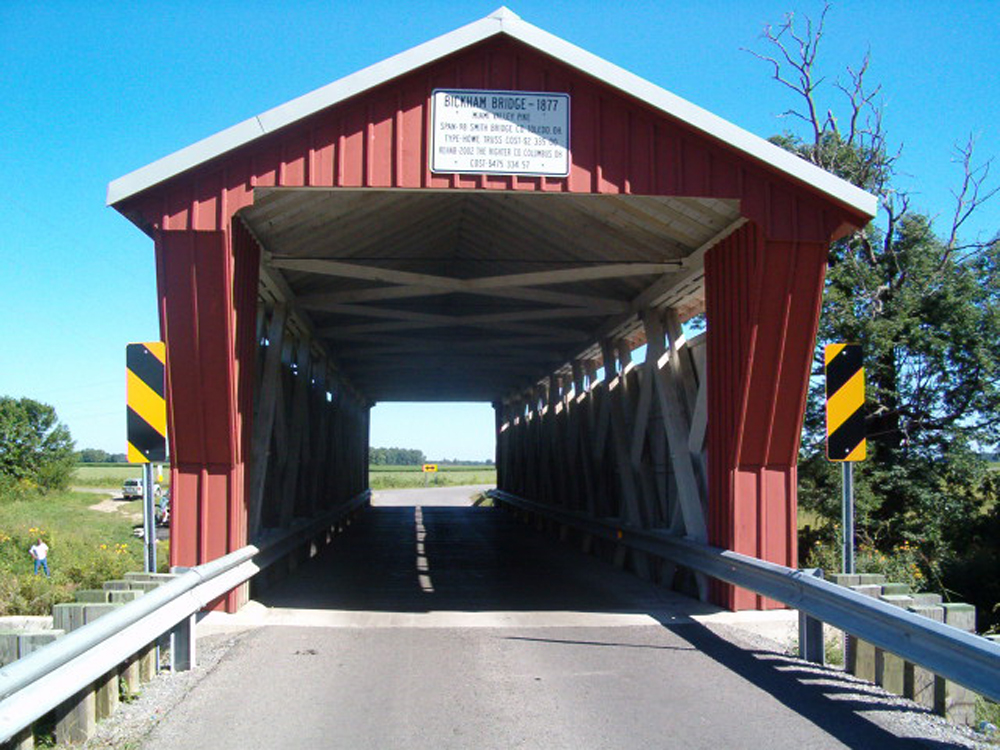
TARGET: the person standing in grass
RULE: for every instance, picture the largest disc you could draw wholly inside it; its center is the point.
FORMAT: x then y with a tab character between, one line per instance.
40	554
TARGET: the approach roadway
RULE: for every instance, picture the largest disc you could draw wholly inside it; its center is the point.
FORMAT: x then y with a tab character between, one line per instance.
428	625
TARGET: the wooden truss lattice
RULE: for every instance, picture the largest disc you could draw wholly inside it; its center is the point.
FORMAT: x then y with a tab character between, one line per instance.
628	446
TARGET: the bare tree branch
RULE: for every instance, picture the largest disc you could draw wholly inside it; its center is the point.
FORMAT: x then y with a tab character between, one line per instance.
801	80
971	195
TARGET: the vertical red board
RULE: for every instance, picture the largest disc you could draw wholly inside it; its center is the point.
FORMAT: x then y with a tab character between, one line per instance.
321	158
207	208
382	141
295	159
584	133
184	516
353	152
179	205
410	138
640	158
266	163
613	151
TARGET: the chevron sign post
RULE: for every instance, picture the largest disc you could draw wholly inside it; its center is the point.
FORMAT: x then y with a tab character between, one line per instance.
146	416
845	426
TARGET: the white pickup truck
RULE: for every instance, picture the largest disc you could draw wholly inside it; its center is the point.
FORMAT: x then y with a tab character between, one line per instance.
133	489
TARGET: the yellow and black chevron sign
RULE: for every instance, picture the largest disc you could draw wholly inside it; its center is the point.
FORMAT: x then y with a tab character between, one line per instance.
845	403
147	406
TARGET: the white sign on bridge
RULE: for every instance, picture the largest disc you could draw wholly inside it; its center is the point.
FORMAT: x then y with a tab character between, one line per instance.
499	132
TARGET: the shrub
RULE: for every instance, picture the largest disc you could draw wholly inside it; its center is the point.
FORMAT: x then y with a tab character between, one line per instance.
903	564
91	568
28	594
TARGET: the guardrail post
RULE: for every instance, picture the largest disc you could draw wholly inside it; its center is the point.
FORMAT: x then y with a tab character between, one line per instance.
76	719
859	655
23	740
129	675
147	663
954	702
811	646
107	695
890	670
183	654
918	682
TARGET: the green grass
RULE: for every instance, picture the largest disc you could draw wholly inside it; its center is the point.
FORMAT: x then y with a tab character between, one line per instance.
86	548
402	477
809	518
111	475
441	468
989	711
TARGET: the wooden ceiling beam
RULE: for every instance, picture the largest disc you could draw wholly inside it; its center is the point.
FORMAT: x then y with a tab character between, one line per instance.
549	338
535	278
437	320
602	305
557	334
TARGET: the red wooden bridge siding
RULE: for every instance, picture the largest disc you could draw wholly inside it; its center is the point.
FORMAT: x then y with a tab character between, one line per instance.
758	354
763	296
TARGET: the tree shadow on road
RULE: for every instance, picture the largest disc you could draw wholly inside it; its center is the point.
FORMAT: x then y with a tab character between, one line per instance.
827	697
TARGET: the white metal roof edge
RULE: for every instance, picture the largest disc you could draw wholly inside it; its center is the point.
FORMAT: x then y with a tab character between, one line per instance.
500	21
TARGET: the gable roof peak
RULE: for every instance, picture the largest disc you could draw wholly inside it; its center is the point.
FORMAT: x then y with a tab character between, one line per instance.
503	13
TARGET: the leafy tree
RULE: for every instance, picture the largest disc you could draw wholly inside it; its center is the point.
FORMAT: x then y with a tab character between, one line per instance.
99	456
925	307
35	448
93	456
395	457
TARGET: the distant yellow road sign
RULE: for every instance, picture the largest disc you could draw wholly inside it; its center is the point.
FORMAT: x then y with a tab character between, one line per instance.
147	405
845	403
430	467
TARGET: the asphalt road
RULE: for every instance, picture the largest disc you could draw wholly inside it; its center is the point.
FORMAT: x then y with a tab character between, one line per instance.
435	497
449	627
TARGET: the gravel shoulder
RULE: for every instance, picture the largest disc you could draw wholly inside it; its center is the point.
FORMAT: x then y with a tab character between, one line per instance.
132	723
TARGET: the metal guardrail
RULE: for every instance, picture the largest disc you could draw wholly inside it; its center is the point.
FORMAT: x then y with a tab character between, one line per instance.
965	658
40	682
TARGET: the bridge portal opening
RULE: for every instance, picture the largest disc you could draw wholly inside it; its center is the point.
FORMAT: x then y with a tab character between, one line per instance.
532	301
432	444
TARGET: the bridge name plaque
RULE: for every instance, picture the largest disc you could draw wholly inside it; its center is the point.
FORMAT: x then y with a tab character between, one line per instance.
499	132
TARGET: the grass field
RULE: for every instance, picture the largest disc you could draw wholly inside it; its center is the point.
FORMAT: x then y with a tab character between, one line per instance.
401	477
111	475
380	477
86	547
809	518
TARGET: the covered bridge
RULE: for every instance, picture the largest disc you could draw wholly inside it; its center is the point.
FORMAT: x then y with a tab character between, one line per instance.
495	215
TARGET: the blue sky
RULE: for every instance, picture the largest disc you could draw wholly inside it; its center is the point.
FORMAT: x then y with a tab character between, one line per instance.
92	91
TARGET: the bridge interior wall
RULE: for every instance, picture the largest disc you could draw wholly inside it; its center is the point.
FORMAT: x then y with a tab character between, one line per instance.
702	437
619	440
243	379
